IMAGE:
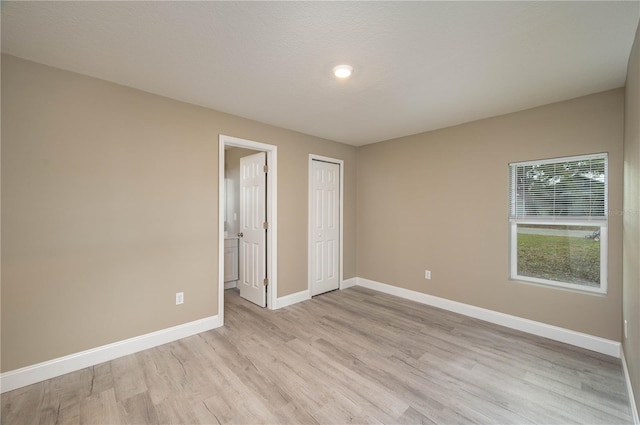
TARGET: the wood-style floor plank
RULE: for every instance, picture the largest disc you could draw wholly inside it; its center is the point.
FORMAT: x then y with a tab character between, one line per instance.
352	356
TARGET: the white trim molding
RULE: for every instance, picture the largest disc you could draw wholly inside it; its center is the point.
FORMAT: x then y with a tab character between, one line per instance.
632	399
578	339
42	371
272	216
305	295
348	283
291	299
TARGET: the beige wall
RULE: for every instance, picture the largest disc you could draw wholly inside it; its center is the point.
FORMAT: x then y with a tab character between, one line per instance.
631	226
109	207
438	201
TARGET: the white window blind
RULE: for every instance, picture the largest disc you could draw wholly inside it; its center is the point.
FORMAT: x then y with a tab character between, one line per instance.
572	187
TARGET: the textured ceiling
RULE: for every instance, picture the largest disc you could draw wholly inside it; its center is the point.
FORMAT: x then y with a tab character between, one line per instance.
418	66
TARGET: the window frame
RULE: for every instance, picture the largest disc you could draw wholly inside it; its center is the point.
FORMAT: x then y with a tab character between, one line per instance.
601	222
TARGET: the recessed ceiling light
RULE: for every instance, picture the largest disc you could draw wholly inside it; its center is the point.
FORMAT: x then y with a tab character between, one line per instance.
342	71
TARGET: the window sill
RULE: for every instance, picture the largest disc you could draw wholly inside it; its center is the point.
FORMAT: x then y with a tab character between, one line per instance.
583	289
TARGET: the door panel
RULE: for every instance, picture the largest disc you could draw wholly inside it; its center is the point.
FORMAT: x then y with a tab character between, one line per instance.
252	217
325	234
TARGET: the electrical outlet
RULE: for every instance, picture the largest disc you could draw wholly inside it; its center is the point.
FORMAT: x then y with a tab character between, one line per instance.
626	329
427	274
179	298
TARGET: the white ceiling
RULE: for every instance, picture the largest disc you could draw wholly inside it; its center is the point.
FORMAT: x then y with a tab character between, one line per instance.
418	66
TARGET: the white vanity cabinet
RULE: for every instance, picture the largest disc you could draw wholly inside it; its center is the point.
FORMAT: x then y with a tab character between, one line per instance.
230	262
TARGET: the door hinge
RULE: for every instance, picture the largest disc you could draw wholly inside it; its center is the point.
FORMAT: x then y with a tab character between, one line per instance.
266	281
265	225
266	168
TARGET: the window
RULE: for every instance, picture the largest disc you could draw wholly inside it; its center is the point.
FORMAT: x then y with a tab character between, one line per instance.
558	220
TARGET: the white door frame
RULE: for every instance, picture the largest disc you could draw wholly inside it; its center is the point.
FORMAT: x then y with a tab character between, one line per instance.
310	225
272	217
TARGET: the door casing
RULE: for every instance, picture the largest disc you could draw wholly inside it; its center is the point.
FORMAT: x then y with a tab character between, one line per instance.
272	216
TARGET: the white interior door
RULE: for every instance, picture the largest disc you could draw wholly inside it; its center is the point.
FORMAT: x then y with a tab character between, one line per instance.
325	226
252	234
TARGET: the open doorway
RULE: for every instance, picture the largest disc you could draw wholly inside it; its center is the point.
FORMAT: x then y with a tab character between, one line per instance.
230	226
233	156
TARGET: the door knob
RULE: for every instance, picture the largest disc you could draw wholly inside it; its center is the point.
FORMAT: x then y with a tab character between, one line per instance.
241	234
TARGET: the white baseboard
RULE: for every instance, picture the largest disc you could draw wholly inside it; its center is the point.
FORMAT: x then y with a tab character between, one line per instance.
288	300
291	299
632	400
348	283
579	339
231	284
42	371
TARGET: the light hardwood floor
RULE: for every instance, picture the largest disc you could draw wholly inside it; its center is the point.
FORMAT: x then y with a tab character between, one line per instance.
353	356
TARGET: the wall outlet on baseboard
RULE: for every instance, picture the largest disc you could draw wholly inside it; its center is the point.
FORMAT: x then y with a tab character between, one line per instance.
427	274
179	298
626	329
